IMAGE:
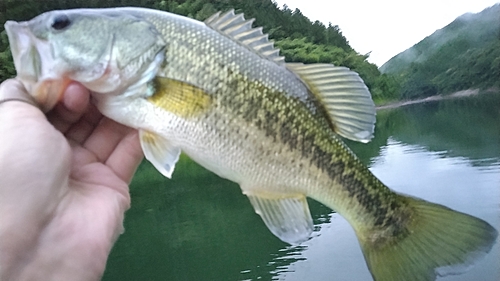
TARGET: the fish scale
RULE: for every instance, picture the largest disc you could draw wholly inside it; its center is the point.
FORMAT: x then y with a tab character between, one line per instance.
220	92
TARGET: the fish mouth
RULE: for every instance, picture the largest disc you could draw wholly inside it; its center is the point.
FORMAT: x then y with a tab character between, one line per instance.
30	56
25	55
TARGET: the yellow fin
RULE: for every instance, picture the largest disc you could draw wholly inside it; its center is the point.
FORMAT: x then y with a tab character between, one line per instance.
438	241
180	98
159	152
344	96
286	215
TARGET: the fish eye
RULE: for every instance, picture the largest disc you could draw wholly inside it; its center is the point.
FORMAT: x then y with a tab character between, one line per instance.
60	22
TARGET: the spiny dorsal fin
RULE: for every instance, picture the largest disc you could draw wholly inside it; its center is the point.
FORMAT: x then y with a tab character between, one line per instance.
240	30
344	95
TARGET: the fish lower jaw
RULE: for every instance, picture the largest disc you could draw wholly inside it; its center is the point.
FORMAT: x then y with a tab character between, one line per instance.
47	93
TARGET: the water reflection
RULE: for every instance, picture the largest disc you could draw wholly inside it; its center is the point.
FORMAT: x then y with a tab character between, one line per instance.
468	127
200	227
194	227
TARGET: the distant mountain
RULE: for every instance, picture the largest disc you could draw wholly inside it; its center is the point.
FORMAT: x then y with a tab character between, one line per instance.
463	54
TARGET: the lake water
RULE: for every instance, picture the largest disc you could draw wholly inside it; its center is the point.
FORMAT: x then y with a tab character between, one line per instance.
200	227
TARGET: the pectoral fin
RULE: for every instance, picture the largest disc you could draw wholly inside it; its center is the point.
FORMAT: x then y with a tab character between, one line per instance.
287	216
159	152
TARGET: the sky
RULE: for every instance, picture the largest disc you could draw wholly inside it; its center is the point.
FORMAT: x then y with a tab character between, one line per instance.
386	27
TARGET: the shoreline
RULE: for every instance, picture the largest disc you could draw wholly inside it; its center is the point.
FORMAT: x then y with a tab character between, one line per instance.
459	94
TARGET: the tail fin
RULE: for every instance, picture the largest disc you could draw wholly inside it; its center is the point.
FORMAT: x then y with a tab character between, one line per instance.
439	242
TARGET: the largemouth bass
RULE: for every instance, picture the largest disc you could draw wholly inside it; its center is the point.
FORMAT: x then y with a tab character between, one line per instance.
219	91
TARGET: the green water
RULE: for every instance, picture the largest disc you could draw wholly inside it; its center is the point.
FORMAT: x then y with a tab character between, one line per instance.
197	226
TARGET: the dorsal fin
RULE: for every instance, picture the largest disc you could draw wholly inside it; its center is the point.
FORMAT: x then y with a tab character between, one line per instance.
241	31
344	95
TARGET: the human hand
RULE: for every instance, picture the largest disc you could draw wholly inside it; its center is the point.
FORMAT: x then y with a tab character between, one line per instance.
63	186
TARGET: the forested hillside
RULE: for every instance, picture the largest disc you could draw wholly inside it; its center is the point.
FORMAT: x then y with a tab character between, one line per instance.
298	37
465	54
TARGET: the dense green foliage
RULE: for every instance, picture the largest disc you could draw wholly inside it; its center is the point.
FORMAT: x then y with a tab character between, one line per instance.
298	37
465	54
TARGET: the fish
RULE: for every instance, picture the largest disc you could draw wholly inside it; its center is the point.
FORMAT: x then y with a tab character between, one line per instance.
220	92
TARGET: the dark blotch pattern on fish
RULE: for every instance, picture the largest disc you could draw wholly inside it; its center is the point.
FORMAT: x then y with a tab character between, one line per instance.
288	120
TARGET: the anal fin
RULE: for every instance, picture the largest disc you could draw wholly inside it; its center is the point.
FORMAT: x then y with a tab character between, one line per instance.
159	152
286	215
